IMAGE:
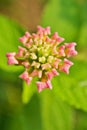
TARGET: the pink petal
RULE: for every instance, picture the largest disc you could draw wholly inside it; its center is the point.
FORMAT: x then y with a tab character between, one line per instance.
49	85
48	39
27	34
10	54
34	73
46	31
23	39
40	29
54	71
57	37
21	51
60	39
65	66
26	64
11	58
66	61
55	51
41	86
40	73
61	50
51	74
46	66
52	41
26	77
28	80
12	61
56	63
70	49
70	45
35	36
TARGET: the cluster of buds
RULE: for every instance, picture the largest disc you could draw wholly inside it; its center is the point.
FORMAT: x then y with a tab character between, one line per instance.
42	56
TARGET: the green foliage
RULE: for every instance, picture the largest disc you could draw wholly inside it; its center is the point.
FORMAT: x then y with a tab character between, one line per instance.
81	120
54	109
56	115
28	90
9	34
73	87
69	19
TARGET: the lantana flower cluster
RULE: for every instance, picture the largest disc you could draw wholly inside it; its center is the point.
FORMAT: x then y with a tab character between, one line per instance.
42	56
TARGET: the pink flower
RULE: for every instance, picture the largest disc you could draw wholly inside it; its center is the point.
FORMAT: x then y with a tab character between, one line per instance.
70	49
57	37
52	73
21	52
45	66
40	29
54	50
47	31
26	64
11	58
44	31
48	39
56	63
43	85
37	73
61	50
26	77
35	36
25	38
42	56
65	66
48	84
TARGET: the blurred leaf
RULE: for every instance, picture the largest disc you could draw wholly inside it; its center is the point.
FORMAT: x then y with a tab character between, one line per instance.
80	120
68	18
9	35
43	113
10	92
61	16
73	87
82	40
56	115
28	90
29	118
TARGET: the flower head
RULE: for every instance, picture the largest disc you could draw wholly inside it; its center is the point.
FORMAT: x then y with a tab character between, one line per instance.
42	56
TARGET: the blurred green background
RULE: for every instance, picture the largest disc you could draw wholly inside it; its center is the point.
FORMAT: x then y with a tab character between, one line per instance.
22	107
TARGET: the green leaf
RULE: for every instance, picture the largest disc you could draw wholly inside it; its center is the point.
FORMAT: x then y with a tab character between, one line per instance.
72	88
9	35
68	18
28	90
82	40
81	120
56	115
27	118
32	113
60	15
45	110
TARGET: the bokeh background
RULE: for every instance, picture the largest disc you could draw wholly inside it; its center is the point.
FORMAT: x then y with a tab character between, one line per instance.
63	108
